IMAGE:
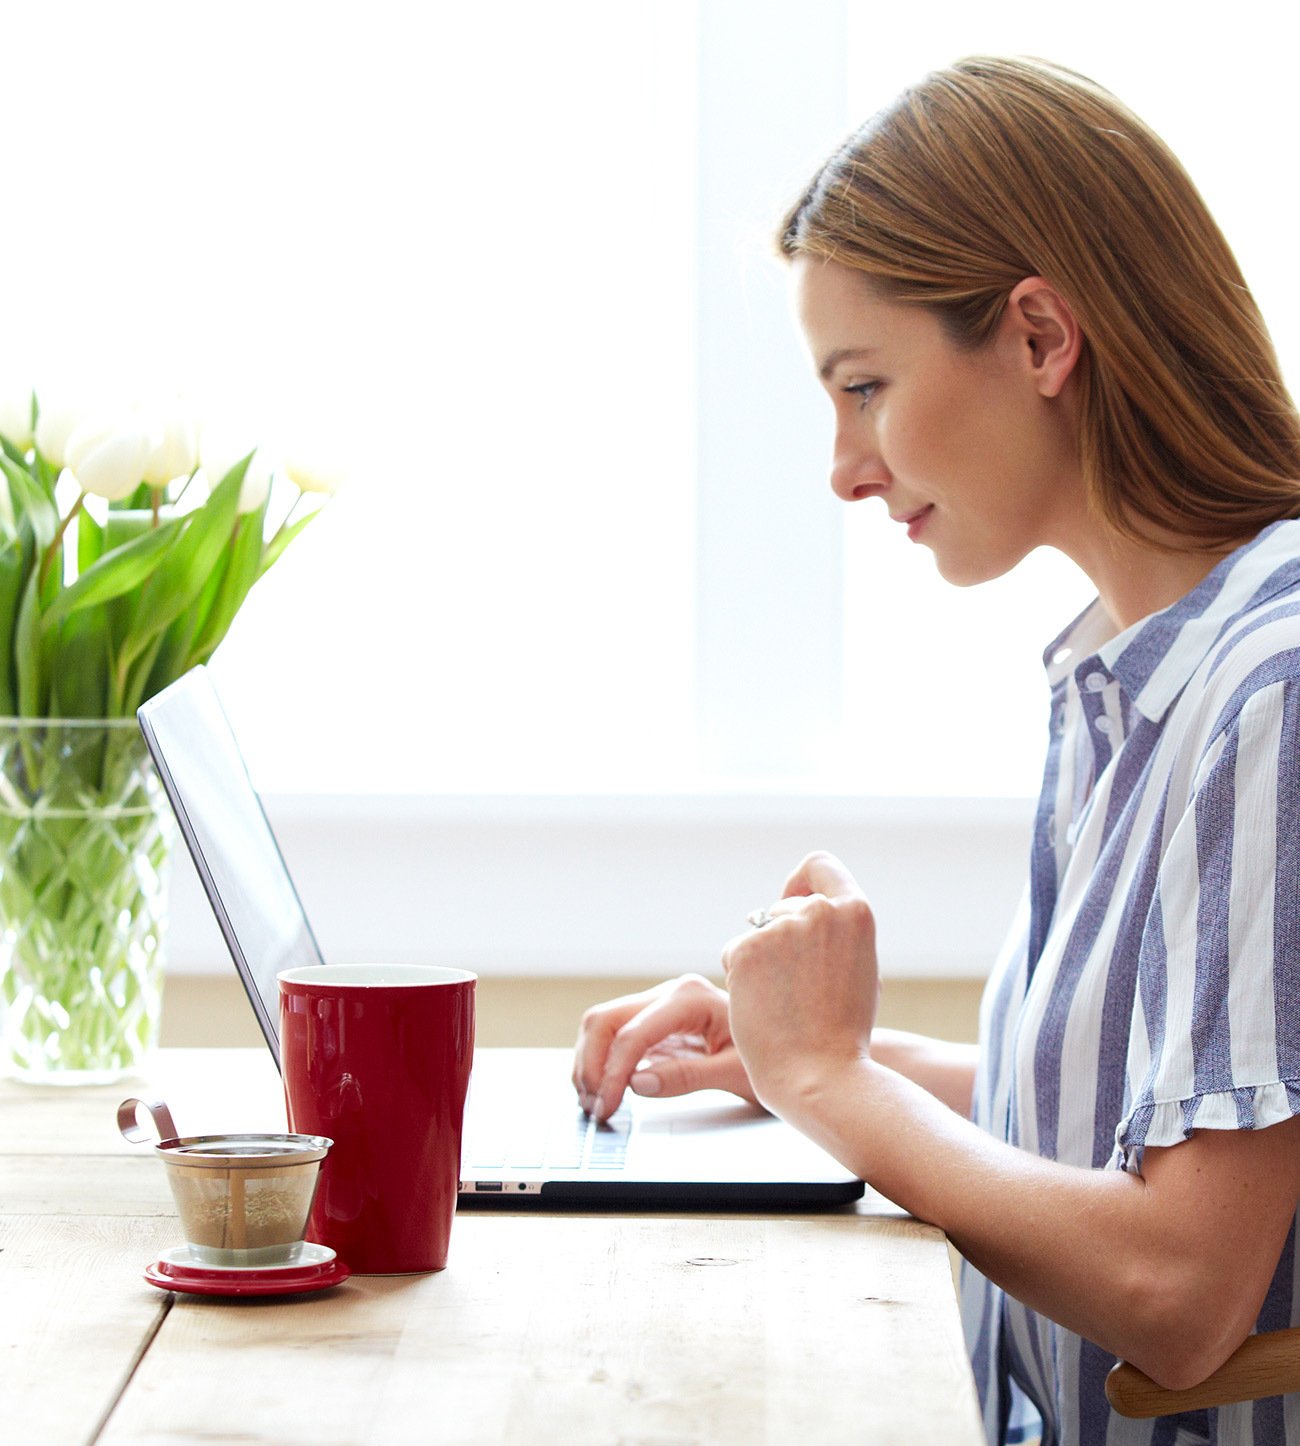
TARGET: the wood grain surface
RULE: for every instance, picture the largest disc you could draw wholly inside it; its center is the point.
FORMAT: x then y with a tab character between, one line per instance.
567	1328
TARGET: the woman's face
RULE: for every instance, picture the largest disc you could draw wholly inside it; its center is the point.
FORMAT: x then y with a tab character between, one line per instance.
962	446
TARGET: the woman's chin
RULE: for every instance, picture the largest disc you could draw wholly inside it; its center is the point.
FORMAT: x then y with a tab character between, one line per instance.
968	571
960	569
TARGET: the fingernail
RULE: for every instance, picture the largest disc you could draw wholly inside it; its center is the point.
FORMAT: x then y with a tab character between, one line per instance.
597	1110
647	1082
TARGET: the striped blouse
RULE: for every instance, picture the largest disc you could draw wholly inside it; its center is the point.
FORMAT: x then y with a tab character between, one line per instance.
1151	983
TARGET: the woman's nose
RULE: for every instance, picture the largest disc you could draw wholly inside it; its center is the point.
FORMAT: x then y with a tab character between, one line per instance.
857	471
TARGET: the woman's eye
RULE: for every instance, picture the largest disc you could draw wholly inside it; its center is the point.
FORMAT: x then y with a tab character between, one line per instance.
864	391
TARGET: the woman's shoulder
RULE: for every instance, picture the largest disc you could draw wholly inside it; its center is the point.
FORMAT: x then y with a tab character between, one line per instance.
1251	667
1259	649
1254	642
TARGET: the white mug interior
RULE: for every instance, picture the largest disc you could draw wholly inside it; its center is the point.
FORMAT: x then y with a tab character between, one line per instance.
386	976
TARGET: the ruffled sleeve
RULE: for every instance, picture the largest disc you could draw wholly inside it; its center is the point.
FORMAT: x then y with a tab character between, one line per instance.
1216	1036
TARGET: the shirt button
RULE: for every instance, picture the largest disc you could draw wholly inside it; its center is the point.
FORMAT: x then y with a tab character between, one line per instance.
1104	725
1095	682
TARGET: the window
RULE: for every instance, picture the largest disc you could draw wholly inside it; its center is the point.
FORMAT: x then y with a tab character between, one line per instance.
513	262
454	243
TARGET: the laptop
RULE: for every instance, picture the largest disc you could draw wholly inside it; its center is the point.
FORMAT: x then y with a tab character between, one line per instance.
526	1140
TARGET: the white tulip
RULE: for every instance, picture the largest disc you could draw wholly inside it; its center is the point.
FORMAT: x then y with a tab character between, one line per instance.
220	453
314	474
81	441
176	453
55	424
257	483
113	466
16	416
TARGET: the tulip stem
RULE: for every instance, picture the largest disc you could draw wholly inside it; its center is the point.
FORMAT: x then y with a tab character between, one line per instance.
185	487
52	550
155	502
285	521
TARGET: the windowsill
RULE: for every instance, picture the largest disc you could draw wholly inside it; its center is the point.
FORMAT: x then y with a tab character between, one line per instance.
717	802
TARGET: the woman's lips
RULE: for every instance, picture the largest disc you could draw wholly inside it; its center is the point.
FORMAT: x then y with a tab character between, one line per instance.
915	521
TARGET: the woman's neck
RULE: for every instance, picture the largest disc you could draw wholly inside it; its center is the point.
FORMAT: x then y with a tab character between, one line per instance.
1135	579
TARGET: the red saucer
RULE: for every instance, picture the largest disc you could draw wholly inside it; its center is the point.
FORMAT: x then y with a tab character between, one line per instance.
319	1270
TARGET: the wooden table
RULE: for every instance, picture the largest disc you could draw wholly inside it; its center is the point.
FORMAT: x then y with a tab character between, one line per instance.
564	1328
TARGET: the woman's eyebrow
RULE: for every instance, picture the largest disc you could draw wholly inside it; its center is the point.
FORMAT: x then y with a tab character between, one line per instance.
844	353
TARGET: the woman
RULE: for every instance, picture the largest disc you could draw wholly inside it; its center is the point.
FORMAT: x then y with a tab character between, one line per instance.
1033	334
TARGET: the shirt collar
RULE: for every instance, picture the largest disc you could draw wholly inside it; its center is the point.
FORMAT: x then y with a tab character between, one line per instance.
1155	658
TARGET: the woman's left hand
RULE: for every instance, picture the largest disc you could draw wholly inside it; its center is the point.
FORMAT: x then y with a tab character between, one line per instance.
804	987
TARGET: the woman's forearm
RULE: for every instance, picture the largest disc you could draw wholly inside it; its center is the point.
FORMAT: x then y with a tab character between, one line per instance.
1153	1269
1157	1267
946	1070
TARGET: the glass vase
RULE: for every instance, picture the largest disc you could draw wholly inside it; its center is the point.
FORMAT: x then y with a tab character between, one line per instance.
85	846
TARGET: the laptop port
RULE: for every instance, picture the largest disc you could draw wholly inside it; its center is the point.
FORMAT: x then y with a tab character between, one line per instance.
481	1185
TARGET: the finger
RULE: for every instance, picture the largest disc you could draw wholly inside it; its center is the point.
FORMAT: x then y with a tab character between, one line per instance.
599	1025
754	943
730	951
680	1074
677	1044
692	1006
821	873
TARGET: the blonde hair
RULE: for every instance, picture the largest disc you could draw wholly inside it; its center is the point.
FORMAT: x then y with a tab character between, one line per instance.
994	170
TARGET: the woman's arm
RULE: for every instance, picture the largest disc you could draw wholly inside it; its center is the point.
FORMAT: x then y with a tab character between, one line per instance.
1167	1269
943	1069
681	1031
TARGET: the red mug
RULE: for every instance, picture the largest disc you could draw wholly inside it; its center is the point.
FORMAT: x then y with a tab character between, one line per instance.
377	1057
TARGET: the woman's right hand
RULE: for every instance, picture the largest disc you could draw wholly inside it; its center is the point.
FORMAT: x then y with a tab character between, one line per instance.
668	1040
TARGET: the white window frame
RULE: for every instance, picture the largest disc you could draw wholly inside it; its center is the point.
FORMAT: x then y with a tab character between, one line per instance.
769	532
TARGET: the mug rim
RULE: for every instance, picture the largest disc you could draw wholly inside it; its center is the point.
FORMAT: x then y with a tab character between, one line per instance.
325	976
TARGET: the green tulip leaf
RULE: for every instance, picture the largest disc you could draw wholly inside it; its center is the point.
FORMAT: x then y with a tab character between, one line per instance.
79	684
178	650
12	574
28	652
242	571
31	502
281	540
90	543
180	579
116	573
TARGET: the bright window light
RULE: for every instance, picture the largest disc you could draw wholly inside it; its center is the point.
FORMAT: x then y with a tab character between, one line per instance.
461	246
453	242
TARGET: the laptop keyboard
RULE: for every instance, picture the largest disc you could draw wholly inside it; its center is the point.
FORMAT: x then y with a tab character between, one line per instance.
575	1144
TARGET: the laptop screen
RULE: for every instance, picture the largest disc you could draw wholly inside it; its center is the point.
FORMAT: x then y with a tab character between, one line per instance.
230	839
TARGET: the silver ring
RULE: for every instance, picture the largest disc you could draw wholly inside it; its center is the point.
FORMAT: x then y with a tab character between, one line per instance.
760	919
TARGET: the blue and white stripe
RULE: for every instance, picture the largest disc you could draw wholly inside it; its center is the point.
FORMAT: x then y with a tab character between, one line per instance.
1151	983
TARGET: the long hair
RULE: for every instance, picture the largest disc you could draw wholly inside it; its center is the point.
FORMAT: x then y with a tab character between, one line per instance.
998	169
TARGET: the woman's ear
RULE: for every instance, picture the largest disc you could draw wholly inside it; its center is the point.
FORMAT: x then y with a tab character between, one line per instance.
1042	328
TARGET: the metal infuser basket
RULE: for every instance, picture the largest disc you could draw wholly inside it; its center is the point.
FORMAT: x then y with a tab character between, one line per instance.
243	1199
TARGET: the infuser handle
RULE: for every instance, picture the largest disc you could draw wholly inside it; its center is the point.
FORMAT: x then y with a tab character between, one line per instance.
128	1121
